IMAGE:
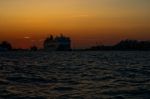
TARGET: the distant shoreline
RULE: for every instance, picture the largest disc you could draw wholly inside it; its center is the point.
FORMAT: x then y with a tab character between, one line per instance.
124	45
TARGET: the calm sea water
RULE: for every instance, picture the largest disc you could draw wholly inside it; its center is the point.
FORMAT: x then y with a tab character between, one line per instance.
75	75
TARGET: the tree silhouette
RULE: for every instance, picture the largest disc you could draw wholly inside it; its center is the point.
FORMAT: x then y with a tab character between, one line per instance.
6	45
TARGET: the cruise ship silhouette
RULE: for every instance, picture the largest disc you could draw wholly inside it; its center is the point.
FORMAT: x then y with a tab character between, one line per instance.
58	43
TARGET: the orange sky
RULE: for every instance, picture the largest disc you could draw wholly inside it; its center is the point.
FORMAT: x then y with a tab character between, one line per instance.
87	22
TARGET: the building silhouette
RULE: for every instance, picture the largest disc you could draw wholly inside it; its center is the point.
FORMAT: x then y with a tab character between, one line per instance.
58	43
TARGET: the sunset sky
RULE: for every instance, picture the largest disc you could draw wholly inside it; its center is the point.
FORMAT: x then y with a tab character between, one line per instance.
87	22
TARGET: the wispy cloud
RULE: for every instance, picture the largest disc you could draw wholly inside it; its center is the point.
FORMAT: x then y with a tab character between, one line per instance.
80	16
27	37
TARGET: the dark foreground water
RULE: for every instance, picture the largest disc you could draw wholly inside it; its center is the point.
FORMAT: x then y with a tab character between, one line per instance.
75	75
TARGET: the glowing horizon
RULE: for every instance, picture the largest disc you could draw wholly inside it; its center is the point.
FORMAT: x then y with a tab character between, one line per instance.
28	22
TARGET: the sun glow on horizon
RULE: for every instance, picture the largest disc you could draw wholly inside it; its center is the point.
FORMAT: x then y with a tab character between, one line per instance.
85	21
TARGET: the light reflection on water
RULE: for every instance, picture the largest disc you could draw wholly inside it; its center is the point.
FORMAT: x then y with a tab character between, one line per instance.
75	75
